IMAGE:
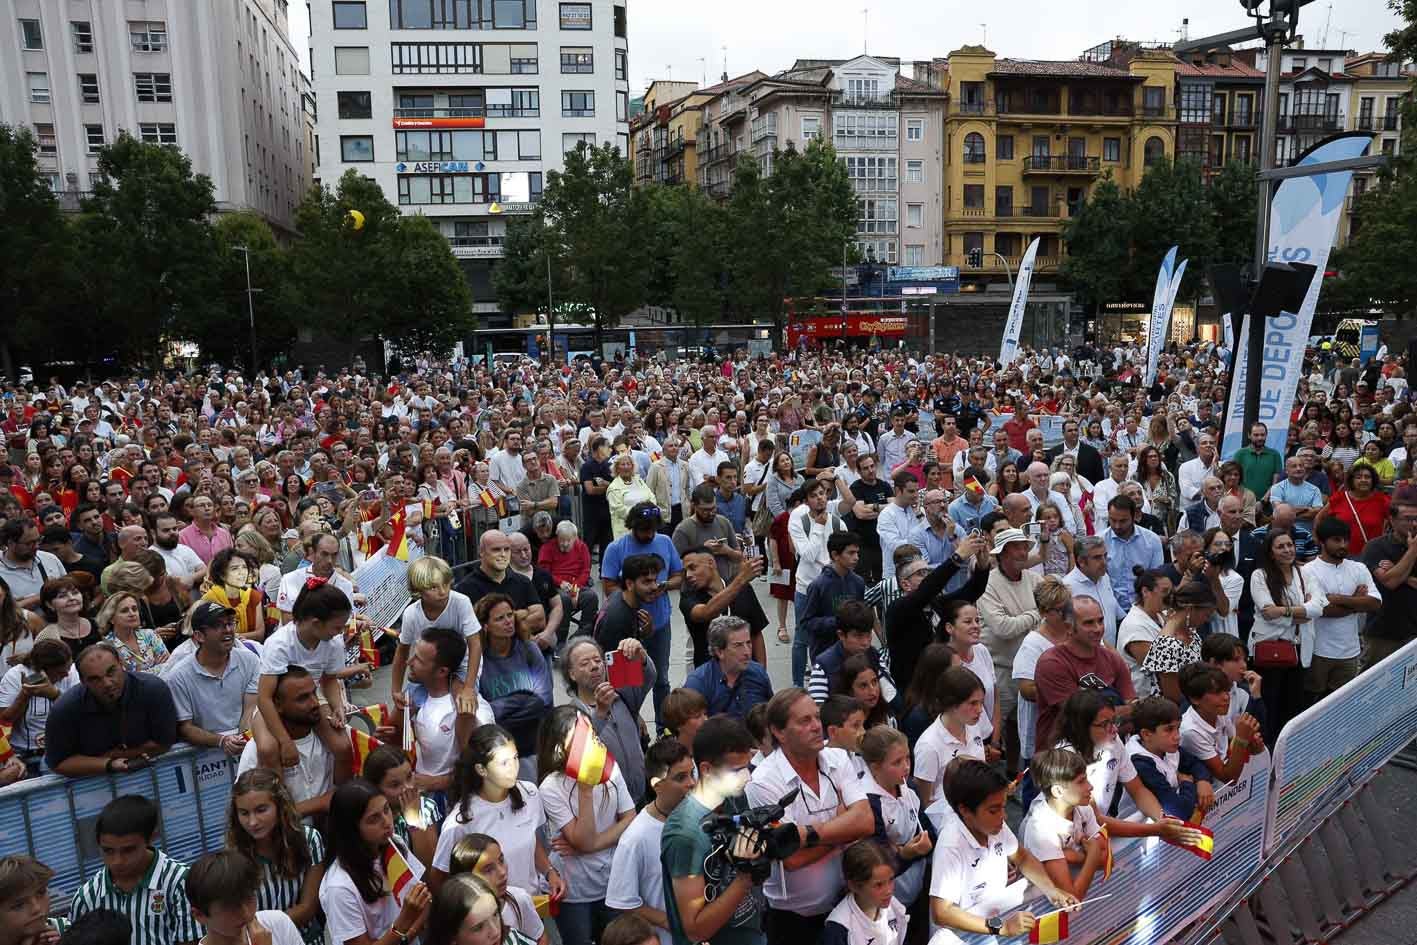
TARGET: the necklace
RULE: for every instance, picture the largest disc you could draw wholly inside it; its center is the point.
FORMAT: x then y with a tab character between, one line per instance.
658	810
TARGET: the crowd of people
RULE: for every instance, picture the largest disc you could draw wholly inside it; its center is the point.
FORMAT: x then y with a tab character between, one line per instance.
1039	585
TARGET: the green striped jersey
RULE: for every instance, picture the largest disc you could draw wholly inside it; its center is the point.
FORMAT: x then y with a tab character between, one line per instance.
429	808
279	893
157	906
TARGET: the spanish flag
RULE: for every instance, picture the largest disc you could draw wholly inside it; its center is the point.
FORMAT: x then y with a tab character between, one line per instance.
1204	849
362	745
6	751
1052	927
398	539
398	876
488	500
587	760
377	715
972	485
367	651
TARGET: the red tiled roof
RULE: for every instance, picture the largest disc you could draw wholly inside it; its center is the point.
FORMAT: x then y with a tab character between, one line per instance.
915	87
1060	69
1237	69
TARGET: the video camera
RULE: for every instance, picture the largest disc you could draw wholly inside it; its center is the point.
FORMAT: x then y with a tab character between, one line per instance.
776	840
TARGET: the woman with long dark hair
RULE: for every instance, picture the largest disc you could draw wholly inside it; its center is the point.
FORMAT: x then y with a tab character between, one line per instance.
1282	637
466	912
858	679
263	823
359	908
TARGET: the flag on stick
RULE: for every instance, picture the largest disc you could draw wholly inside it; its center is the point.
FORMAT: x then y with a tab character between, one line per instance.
1204	849
398	876
1052	927
588	760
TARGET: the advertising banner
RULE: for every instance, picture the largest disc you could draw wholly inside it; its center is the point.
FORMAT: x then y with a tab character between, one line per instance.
1008	350
1328	752
1229	332
1234	439
1161	302
1303	220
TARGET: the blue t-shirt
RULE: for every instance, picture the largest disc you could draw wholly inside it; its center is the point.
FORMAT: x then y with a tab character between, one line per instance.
625	546
1305	495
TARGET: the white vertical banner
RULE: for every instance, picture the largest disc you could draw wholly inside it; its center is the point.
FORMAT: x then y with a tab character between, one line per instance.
1303	220
1234	438
1229	334
1160	314
1008	350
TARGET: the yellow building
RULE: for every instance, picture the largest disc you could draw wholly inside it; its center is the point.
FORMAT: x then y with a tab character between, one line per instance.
1379	86
664	138
1026	141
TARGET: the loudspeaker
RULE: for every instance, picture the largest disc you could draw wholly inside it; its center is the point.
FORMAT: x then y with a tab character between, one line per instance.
1282	288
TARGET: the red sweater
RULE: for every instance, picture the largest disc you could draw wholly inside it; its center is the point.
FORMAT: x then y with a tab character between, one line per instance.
570	566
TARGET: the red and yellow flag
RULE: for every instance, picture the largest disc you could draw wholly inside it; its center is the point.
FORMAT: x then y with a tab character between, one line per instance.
367	651
1052	927
398	539
588	760
1203	849
398	876
488	500
6	751
1107	865
362	746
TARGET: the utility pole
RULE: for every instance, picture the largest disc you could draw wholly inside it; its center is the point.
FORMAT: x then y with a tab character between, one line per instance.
250	306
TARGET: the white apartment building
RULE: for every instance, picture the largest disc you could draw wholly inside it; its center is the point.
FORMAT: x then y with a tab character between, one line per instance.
221	81
458	108
887	129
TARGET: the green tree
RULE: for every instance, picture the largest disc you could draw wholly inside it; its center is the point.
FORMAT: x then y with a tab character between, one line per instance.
685	234
435	303
1231	201
1170	208
146	248
223	330
1098	240
34	253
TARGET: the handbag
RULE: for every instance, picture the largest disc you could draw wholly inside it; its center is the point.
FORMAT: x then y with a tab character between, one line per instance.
1276	654
762	518
1361	530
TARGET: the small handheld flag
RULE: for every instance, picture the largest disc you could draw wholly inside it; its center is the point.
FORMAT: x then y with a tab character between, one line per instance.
376	714
362	746
588	760
398	876
1204	849
6	750
1107	865
1052	927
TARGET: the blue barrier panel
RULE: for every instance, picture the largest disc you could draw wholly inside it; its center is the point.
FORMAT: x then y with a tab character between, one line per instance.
52	817
1157	890
1335	747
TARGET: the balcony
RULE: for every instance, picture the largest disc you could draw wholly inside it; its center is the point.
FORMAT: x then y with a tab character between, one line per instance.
992	265
1366	123
719	188
1242	120
1061	164
70	200
675	147
855	100
1093	110
974	212
1043	211
1389	123
475	247
714	155
1156	111
489	111
1005	210
973	108
1309	124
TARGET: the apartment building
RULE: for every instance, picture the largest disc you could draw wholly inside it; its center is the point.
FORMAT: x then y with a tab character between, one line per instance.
664	136
1219	105
459	108
221	81
885	128
1025	141
1314	96
723	133
1379	87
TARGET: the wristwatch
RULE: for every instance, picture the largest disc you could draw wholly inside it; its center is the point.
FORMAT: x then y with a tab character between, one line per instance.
995	925
402	936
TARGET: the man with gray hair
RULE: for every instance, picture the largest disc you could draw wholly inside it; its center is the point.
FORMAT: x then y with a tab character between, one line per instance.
1088	578
1204	513
1038	493
567	559
1082	656
614	713
703	465
730	682
1185	545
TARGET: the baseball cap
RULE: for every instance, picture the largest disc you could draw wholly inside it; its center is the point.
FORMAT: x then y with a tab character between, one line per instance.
1009	536
210	614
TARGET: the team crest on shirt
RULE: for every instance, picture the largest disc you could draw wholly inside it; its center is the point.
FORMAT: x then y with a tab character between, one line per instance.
1111	763
999	848
157	902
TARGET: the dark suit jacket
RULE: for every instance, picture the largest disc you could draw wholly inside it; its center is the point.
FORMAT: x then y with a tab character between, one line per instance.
1089	462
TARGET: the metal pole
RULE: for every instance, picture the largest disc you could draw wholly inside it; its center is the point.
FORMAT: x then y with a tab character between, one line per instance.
1007	274
550	302
250	307
1276	30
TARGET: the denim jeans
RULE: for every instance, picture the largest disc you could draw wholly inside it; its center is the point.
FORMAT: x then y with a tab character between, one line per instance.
581	923
800	642
658	647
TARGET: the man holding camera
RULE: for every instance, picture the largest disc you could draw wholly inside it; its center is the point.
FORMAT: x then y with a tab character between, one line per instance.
712	895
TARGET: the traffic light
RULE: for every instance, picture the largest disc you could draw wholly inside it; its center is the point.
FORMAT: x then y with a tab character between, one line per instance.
976	258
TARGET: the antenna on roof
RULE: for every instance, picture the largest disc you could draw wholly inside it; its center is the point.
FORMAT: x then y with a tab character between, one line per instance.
703	66
1185	30
985	28
725	63
1343	37
1328	20
865	28
668	73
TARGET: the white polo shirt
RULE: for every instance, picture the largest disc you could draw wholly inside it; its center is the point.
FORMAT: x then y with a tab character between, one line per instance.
816	889
936	748
972	876
294	582
1204	740
1338	638
433	729
1046	834
1113	767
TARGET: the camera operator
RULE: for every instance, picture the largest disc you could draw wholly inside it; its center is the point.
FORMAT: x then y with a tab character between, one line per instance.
831	807
707	897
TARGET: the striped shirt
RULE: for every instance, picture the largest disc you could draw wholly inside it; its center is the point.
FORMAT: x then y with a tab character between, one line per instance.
431	818
279	893
882	595
157	907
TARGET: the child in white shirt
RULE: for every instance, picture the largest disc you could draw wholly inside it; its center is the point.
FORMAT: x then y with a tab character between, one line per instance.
1061	827
869	913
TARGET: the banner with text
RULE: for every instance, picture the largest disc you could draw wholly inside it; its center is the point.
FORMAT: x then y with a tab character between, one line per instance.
1234	438
1161	301
1013	328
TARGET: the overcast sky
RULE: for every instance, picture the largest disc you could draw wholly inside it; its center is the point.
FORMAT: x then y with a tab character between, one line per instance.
671	39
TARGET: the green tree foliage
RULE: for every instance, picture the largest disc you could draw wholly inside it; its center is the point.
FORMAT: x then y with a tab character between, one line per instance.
1231	199
224	331
435	303
145	249
34	251
686	250
1170	208
1098	238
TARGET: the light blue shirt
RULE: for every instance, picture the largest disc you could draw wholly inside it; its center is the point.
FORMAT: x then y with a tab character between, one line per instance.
1083	586
967	515
937	551
1142	549
1305	495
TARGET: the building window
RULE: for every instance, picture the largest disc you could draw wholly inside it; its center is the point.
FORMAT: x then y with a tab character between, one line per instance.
1004	201
974	148
972	242
915	129
528	144
872	174
620	22
577	59
915	214
1153	101
877	215
30	34
88	88
622	106
39	86
161	132
351	60
1112	149
153	86
355	105
434	58
622	66
148	36
915	172
450	188
1300	63
1241	150
356	149
1004	148
575	16
82	32
94	135
811	127
525	60
974	196
1326	65
570	141
48	144
1155	151
914	255
462	14
578	104
350	15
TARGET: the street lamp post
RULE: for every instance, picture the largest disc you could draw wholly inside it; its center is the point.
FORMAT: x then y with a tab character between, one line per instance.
250	305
